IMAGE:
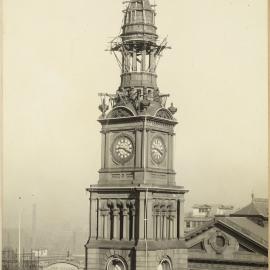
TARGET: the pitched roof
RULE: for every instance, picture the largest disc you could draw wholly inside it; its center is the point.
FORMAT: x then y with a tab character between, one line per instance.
247	227
258	207
242	225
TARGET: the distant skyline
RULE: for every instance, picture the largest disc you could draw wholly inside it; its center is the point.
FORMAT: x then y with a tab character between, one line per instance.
55	64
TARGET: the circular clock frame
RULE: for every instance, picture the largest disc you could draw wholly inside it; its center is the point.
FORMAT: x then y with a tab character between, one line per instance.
122	148
159	154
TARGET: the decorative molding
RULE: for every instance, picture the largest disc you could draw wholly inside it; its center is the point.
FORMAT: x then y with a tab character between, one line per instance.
164	113
116	259
213	241
120	112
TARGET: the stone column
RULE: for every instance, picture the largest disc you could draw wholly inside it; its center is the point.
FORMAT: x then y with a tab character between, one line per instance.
144	148
127	62
128	226
144	17
170	152
116	227
138	148
106	217
134	60
152	60
164	218
172	149
123	62
143	59
133	214
141	215
129	17
154	217
101	224
181	218
168	224
159	225
149	204
125	224
107	149
109	236
102	149
93	216
171	227
174	225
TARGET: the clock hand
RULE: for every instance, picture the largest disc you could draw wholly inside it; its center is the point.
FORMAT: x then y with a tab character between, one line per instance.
122	148
161	153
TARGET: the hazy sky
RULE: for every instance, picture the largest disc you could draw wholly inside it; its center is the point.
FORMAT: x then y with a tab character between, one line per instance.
55	64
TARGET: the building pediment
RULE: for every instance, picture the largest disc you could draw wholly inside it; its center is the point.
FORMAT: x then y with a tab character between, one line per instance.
227	239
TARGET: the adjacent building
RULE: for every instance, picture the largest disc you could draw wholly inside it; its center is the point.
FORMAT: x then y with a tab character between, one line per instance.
237	241
257	211
202	213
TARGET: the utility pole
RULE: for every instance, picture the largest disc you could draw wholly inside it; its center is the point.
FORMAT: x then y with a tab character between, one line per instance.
19	232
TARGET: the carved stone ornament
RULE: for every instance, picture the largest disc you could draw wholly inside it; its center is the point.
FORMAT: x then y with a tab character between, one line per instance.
172	109
103	107
164	113
120	112
219	241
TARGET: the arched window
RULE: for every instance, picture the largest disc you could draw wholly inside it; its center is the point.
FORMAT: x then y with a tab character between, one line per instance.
165	264
115	263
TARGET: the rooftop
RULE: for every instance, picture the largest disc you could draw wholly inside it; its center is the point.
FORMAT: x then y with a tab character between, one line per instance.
257	207
241	225
209	206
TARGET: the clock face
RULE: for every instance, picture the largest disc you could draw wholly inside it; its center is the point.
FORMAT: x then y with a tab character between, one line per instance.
122	149
158	149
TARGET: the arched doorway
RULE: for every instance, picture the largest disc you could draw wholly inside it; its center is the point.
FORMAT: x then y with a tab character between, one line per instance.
61	266
116	263
165	264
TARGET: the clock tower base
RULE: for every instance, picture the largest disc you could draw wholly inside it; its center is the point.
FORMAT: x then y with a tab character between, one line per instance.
136	227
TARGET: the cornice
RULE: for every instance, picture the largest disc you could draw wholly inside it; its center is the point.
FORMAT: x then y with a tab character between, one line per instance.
140	118
129	188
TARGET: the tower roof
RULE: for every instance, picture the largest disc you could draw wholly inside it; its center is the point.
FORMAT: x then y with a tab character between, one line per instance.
139	21
139	4
258	207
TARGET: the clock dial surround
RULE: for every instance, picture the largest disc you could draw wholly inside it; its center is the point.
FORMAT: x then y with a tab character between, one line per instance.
122	149
158	149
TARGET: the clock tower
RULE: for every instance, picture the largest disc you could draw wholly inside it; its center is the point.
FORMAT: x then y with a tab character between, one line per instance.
136	209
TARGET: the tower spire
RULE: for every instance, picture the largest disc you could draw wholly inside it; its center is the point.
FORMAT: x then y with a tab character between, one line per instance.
137	52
